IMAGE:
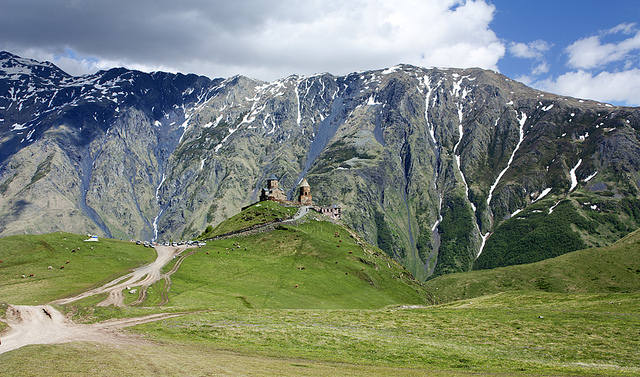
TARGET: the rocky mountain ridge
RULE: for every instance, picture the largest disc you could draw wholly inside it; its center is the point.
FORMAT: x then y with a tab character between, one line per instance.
435	166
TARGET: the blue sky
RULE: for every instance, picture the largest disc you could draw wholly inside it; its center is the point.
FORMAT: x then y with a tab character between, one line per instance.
579	40
587	49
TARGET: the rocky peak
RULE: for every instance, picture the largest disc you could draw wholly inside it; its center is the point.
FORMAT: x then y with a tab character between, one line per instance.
13	67
434	165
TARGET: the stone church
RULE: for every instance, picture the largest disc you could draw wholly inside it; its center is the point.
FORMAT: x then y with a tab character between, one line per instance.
274	193
304	197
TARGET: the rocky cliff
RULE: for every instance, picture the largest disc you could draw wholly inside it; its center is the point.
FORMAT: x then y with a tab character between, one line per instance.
435	166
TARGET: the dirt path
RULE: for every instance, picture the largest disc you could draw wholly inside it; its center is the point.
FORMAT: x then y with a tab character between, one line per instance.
263	228
302	211
43	324
141	277
167	286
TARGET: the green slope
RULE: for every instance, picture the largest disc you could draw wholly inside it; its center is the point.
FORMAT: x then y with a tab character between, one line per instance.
255	214
314	264
614	268
558	225
89	264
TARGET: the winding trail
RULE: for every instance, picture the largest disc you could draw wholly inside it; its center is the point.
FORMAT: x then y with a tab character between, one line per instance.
43	324
167	278
143	277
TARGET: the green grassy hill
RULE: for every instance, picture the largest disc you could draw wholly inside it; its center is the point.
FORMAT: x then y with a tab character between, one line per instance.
314	264
76	265
310	298
257	213
614	268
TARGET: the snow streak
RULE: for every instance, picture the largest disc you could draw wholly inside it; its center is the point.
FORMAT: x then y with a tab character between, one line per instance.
155	221
427	83
590	177
456	148
484	238
456	92
543	193
521	121
572	174
298	97
435	225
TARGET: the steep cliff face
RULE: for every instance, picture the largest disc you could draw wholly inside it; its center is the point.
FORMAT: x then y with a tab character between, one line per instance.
95	145
435	166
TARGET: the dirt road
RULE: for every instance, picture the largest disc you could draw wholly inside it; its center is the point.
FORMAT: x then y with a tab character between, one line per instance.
43	324
141	277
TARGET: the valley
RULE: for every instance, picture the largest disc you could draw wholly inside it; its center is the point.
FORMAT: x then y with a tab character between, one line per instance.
452	222
309	298
438	167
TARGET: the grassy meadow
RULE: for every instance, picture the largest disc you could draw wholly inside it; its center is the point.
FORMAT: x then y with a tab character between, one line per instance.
509	334
310	299
516	334
76	265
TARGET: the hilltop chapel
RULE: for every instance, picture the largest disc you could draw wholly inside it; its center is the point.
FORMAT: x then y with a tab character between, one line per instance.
274	193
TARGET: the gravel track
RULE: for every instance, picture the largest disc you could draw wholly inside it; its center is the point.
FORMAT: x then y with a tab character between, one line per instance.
140	277
42	324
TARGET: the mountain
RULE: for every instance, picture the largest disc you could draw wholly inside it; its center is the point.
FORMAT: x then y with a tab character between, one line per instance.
444	169
100	141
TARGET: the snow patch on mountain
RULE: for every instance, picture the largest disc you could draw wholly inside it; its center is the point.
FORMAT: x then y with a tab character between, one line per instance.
18	127
521	122
372	101
590	177
572	175
544	193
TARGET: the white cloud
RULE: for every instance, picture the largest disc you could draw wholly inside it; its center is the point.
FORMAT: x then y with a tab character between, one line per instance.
541	68
590	52
617	87
624	28
535	50
606	72
532	50
261	39
525	79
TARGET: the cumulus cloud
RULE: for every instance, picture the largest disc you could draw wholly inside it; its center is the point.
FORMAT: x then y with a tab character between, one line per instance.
532	50
536	51
542	67
602	71
257	38
616	87
591	52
